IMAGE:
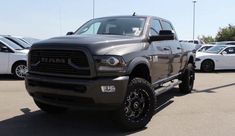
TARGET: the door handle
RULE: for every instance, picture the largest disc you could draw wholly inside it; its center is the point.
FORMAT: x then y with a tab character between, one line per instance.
166	49
178	48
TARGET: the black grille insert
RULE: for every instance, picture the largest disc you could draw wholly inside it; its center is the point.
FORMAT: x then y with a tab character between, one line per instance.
59	62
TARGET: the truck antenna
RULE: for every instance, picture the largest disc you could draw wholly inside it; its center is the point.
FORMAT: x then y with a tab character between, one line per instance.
133	14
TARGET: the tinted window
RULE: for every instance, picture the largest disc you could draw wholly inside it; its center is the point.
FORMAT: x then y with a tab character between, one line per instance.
230	50
155	27
166	25
11	44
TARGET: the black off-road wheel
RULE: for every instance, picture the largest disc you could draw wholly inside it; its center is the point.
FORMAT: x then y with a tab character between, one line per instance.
50	108
207	66
138	106
187	79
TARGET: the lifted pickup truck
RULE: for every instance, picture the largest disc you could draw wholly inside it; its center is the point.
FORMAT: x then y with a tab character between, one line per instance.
114	63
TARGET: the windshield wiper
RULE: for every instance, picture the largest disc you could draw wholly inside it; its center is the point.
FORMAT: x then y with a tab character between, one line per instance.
109	33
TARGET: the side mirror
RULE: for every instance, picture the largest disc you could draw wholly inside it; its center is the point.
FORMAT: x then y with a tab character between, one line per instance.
4	49
224	52
70	33
163	35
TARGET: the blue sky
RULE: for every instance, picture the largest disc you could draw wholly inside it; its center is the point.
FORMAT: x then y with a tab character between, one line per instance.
48	18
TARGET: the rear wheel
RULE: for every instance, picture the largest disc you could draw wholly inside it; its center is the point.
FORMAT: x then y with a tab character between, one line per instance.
187	79
138	106
207	66
50	108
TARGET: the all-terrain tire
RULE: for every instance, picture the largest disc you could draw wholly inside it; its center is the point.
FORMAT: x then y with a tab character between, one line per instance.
187	79
138	106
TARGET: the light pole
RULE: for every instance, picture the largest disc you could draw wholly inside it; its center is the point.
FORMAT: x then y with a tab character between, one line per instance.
194	4
93	9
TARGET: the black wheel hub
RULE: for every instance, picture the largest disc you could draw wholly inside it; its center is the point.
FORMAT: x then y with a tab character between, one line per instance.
136	104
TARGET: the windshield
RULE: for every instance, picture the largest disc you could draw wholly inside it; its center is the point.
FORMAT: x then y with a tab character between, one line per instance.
127	26
215	49
11	44
204	48
19	42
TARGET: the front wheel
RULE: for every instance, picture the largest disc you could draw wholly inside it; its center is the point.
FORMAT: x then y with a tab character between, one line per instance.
19	70
138	106
187	79
207	66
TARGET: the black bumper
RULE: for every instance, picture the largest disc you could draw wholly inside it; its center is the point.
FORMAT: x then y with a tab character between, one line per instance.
77	93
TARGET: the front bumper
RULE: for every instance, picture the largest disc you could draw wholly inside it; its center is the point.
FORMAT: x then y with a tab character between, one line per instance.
198	65
77	93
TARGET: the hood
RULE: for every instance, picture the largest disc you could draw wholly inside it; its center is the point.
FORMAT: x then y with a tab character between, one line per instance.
96	44
203	54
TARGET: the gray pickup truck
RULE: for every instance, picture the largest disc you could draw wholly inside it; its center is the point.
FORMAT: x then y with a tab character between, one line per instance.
119	63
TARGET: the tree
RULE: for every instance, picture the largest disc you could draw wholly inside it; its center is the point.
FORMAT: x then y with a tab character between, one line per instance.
226	34
207	39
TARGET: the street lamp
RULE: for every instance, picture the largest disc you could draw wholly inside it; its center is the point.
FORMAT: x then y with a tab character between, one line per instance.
194	4
93	9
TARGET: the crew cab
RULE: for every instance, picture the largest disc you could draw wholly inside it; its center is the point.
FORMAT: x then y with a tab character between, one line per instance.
119	63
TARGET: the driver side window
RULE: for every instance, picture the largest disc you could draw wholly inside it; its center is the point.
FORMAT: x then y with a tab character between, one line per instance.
1	46
92	29
230	50
4	48
155	28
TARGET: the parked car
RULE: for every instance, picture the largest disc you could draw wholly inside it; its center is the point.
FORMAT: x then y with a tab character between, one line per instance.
220	57
12	58
19	41
205	47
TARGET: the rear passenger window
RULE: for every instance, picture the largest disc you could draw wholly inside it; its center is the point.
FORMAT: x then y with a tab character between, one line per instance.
167	26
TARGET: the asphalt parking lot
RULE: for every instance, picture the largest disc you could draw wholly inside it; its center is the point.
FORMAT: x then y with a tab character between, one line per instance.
208	111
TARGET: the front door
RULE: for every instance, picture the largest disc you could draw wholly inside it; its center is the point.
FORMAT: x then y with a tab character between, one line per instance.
160	53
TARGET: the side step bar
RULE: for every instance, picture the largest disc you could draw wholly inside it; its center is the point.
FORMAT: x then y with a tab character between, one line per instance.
167	86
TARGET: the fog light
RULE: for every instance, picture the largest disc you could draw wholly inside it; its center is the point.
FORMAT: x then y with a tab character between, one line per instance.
108	89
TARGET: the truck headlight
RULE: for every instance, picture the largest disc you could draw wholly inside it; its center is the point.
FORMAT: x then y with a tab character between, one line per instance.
110	63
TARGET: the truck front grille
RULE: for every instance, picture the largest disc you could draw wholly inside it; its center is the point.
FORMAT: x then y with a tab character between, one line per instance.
59	62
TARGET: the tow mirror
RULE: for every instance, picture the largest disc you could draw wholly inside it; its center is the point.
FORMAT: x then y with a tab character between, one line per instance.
70	33
163	35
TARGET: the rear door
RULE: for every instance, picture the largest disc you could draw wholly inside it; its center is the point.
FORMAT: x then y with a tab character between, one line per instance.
160	53
176	48
4	59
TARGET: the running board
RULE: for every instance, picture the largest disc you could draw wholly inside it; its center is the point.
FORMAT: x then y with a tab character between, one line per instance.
167	86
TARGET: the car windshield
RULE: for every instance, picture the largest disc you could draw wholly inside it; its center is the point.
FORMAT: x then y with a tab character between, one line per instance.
19	42
204	48
127	26
11	44
215	49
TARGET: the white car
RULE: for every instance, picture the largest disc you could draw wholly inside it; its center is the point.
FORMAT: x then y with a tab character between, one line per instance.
219	57
13	58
